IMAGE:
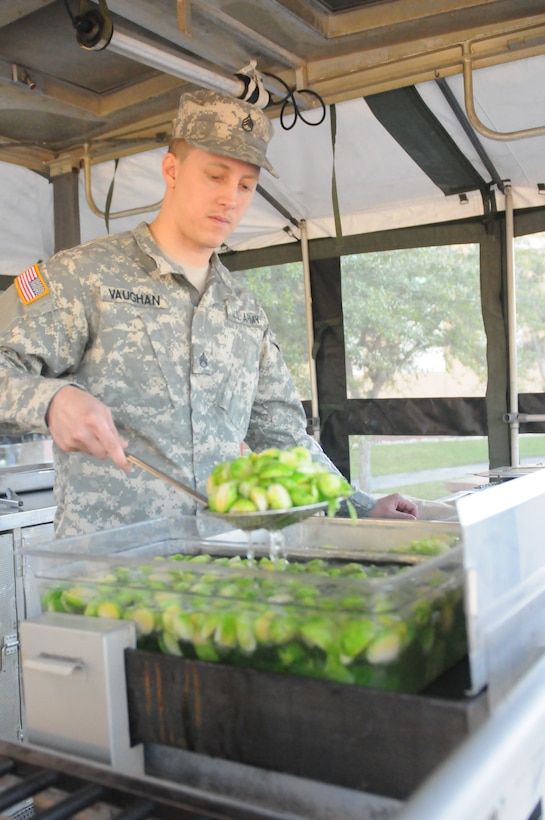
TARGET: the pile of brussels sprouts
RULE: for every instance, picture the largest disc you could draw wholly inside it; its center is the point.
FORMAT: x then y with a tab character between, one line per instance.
274	480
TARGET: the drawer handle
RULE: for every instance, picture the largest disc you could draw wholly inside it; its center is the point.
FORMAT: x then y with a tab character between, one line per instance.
54	665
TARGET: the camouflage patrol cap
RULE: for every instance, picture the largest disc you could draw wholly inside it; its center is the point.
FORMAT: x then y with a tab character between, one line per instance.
224	125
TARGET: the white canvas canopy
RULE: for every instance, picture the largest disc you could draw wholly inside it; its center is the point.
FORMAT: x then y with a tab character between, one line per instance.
379	185
459	151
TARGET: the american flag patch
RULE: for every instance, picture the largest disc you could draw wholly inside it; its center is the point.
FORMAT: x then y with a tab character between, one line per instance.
31	285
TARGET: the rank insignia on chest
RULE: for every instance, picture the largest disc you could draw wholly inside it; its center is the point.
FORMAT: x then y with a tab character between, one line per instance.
31	285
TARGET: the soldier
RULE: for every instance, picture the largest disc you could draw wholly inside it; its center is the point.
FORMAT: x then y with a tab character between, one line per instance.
144	341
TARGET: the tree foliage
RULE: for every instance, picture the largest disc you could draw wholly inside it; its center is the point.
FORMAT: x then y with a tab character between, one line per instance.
397	306
530	303
400	305
281	291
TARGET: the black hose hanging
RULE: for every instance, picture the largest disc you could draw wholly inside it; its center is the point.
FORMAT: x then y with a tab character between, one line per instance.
289	99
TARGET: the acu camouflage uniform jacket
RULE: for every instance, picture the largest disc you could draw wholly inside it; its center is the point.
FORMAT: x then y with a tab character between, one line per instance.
187	380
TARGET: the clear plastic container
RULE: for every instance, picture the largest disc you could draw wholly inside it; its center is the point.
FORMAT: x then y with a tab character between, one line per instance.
366	603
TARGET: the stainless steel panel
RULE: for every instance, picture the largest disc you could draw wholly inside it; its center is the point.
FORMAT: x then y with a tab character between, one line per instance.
10	711
27	466
38	508
26	453
504	565
20	527
27	478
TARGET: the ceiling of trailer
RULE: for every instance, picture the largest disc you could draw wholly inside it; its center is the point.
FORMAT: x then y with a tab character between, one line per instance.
56	96
410	117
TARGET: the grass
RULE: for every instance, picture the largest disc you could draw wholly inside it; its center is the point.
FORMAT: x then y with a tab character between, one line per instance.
411	456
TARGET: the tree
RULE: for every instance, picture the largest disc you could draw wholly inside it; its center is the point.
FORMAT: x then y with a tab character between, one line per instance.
399	305
281	291
530	299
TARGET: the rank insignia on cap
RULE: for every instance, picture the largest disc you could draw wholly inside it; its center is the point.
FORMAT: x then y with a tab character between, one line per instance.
31	285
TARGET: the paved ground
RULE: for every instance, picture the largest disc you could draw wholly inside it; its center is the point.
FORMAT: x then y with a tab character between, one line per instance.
456	475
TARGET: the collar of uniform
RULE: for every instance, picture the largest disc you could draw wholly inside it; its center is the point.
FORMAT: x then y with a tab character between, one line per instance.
149	246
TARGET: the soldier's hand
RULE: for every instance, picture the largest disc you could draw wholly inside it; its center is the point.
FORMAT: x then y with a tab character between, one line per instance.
78	422
394	506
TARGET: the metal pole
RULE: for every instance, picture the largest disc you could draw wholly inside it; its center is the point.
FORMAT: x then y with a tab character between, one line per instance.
66	208
512	325
310	330
168	61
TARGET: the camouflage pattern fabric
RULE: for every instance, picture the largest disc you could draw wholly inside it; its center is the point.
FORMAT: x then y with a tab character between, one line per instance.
225	126
186	383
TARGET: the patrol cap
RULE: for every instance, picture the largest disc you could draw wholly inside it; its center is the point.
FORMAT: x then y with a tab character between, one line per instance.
224	125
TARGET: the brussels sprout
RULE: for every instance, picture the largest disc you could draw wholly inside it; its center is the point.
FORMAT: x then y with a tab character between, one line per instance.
220	473
317	565
278	497
164	619
318	632
270	452
355	636
91	610
75	599
246	486
207	652
283	628
330	485
223	496
274	470
169	645
262	626
292	653
243	505
422	611
245	633
334	669
204	626
301	497
295	457
182	626
241	467
144	620
385	648
109	609
259	496
52	601
225	634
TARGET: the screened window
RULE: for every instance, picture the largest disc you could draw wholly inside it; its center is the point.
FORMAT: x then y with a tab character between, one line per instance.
429	468
413	329
413	324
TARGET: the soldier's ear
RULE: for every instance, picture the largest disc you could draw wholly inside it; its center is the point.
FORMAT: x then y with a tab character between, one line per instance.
169	166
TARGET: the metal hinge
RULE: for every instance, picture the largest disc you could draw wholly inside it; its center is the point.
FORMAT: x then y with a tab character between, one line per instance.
10	645
19	565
